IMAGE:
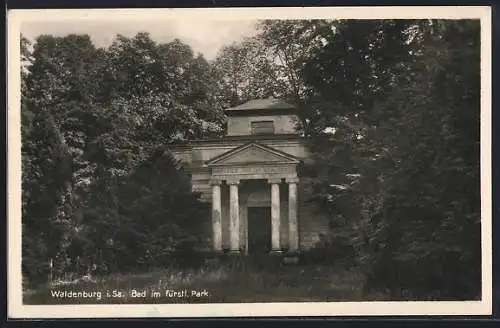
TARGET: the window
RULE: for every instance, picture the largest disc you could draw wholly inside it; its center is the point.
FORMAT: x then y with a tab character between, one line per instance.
262	127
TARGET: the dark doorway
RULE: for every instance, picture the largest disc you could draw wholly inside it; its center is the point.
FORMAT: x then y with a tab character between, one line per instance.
259	230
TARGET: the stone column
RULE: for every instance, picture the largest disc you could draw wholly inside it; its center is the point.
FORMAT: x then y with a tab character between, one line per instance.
216	215
275	214
234	216
293	231
243	220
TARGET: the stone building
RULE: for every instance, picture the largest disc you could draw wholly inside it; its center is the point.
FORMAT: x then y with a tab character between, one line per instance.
250	177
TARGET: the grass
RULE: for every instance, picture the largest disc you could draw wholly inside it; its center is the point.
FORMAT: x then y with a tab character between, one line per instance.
223	283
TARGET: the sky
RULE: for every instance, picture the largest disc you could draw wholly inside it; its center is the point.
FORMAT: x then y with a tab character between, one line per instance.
204	36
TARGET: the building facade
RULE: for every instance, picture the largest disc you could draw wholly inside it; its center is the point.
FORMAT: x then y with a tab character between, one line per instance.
250	177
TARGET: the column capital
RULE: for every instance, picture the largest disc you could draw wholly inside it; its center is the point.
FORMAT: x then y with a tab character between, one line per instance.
233	181
274	180
292	180
215	182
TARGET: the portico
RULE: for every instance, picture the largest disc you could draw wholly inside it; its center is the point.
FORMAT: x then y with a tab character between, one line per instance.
275	171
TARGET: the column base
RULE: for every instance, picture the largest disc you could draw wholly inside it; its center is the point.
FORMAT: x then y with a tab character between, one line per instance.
234	252
290	260
276	252
218	252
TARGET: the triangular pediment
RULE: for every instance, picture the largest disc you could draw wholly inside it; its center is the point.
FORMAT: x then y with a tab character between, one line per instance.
253	153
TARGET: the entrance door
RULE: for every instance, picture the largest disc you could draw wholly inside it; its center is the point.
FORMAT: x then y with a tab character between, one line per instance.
259	230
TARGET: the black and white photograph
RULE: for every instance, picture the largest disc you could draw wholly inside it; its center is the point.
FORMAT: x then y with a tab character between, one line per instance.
249	162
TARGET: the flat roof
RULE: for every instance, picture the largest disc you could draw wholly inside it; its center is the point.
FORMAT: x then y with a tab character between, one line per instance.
262	104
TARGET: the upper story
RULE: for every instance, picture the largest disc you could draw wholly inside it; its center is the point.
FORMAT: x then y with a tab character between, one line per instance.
262	117
269	122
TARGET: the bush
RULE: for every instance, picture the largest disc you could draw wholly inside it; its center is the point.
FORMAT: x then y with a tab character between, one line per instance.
330	249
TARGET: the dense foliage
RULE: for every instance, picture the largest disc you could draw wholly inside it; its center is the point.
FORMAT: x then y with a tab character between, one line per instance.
390	110
405	100
100	188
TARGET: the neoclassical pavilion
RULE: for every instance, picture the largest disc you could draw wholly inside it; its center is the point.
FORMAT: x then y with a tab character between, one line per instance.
245	164
250	178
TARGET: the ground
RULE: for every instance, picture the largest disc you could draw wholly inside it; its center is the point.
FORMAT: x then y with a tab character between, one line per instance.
221	283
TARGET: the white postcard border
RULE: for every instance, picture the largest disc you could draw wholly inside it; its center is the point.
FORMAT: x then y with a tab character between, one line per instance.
17	310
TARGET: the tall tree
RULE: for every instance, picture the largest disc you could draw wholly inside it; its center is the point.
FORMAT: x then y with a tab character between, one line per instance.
169	86
270	63
56	87
100	116
409	120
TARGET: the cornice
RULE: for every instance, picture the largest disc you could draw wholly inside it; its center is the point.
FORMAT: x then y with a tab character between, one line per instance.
232	140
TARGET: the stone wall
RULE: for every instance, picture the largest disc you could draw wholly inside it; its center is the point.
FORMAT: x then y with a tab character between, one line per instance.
241	125
312	223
